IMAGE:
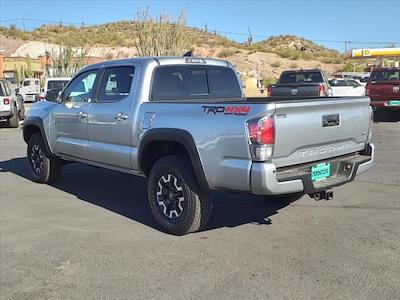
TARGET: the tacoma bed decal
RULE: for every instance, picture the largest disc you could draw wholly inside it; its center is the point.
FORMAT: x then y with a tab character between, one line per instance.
227	110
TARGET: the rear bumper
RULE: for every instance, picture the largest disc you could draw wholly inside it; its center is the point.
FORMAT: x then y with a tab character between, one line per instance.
6	114
382	105
267	180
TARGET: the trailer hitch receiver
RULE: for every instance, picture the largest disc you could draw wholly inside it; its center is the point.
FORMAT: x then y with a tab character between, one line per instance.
323	195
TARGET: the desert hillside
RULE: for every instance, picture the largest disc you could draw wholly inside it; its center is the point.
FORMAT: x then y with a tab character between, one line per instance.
262	60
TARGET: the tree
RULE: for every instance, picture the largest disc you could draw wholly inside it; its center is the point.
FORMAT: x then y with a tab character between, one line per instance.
22	72
18	74
28	71
67	61
161	36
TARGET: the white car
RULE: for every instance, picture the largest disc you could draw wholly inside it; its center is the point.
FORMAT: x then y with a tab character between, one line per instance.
346	88
12	108
29	89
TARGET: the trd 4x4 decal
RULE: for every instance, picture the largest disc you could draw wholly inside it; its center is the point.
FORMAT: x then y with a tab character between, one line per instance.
227	110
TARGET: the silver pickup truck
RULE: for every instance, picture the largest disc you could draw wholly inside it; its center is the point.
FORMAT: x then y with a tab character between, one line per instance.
184	124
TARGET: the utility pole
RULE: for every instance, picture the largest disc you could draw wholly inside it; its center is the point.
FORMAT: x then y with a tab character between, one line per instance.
345	46
250	39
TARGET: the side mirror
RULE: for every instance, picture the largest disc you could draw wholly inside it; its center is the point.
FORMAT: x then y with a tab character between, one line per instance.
51	96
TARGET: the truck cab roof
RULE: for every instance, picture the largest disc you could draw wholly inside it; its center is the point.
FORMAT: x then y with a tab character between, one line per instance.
163	60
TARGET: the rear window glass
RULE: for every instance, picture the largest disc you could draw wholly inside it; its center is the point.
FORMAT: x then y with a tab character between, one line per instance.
2	89
223	83
385	75
57	85
301	77
181	82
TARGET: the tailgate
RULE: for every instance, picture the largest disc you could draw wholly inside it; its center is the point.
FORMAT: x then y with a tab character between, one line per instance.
307	90
389	90
385	90
311	130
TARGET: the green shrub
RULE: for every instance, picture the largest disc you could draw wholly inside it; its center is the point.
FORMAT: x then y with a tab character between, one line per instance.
269	80
351	66
226	52
275	64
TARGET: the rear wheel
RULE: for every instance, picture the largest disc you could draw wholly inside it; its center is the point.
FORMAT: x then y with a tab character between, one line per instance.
43	167
13	122
176	200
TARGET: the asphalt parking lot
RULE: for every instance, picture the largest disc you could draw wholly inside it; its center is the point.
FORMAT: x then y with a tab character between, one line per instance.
91	236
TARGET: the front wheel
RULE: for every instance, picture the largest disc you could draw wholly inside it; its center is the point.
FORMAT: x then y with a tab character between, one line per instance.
176	200
43	167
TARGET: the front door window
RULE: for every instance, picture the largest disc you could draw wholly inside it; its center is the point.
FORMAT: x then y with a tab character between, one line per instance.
81	88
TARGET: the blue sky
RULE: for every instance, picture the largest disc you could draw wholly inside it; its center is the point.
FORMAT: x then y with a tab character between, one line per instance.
322	21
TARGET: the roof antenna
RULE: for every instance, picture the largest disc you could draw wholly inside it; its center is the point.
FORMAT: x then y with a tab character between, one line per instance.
189	53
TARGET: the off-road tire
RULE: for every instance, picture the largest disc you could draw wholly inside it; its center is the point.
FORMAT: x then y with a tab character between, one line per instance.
196	204
13	122
47	168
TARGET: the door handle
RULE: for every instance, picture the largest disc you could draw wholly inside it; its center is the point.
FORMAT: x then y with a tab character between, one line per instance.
81	115
120	116
330	120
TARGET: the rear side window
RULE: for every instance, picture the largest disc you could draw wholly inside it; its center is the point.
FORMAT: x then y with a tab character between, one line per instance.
7	87
385	75
169	84
2	89
116	84
183	83
301	77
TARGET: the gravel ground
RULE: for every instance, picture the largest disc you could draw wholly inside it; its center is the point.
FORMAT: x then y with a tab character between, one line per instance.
91	236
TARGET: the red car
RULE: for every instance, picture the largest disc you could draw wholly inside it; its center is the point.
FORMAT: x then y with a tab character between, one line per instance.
383	88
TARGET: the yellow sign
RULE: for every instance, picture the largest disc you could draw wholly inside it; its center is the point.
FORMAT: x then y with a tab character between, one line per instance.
379	52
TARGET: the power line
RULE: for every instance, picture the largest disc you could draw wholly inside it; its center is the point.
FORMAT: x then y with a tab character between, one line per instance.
345	42
321	41
43	21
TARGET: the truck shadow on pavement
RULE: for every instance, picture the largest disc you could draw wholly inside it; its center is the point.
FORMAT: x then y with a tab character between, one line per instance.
126	195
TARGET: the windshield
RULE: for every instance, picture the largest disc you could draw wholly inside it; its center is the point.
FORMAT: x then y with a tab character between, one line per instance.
385	75
57	85
301	77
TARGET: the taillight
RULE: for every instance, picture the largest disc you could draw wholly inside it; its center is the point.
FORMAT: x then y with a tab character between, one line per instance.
367	90
270	91
267	131
6	101
322	89
261	134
